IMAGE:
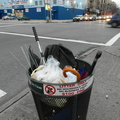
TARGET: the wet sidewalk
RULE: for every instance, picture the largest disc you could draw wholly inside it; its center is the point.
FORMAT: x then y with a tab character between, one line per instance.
105	97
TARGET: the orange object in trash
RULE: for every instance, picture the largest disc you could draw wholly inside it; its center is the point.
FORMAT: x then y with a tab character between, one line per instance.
73	71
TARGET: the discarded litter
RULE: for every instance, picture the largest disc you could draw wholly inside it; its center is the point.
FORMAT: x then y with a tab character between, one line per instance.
52	73
56	65
106	96
60	83
83	72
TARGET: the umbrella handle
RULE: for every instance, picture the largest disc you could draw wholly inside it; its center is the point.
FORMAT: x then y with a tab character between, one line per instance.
73	71
40	67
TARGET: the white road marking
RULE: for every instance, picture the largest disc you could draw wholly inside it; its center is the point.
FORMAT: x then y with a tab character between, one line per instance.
7	25
57	39
113	40
4	23
2	93
109	43
14	25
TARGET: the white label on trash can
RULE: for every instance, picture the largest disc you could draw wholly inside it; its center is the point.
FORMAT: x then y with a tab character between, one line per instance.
68	89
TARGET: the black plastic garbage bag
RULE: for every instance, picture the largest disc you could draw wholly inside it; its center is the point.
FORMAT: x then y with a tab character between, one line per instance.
62	54
34	59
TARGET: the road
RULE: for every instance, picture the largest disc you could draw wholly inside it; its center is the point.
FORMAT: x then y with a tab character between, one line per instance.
78	37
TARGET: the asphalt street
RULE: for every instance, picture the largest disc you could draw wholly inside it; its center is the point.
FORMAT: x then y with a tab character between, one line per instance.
104	101
79	37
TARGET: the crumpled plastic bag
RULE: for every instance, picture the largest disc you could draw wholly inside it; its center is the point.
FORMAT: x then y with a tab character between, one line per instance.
71	77
50	73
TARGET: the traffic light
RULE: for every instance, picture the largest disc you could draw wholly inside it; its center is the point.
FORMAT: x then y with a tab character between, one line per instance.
47	7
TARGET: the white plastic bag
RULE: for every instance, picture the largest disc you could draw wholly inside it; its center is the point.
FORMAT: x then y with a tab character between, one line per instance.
51	72
71	77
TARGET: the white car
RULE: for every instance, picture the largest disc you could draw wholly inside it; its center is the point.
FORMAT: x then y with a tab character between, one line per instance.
92	17
78	18
8	18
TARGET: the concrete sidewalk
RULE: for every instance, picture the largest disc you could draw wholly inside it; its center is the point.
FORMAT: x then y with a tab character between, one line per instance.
105	98
39	21
50	21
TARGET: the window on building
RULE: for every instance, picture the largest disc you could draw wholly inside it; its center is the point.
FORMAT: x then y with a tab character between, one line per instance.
63	2
36	2
54	1
40	2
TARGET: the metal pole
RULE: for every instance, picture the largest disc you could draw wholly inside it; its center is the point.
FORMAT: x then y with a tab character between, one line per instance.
39	46
68	13
45	10
50	13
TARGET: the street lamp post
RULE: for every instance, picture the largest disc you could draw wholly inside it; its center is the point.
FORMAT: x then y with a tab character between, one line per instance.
48	7
73	6
50	11
68	13
50	14
68	9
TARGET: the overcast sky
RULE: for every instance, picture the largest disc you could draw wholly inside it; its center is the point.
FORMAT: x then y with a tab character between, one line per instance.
117	2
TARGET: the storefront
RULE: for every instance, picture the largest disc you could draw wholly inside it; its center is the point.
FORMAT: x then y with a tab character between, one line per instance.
18	10
40	9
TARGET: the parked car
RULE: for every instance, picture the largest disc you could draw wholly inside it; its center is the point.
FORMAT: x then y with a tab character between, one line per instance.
114	21
103	17
89	17
108	17
92	17
23	18
98	17
86	17
8	17
78	18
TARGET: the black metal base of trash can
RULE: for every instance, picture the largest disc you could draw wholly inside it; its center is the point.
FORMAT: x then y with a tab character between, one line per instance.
75	109
63	107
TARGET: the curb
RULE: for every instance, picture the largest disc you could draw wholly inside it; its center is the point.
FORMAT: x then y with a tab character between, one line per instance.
27	90
14	100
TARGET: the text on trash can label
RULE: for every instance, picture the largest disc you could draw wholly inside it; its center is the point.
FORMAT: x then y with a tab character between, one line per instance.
68	89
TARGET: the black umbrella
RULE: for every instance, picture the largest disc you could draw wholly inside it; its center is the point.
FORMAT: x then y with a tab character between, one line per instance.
34	59
98	55
42	60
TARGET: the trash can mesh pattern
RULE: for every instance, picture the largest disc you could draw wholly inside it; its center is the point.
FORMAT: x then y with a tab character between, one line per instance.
63	107
53	101
72	108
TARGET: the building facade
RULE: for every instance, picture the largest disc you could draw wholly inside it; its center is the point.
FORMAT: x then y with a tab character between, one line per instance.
40	9
103	7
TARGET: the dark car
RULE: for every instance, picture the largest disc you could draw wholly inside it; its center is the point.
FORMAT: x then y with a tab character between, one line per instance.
114	21
23	18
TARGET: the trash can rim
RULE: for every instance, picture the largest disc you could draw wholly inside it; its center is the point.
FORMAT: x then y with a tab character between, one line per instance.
59	96
66	89
59	83
63	83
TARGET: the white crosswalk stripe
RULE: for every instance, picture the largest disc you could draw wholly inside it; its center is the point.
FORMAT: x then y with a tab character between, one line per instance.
2	93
